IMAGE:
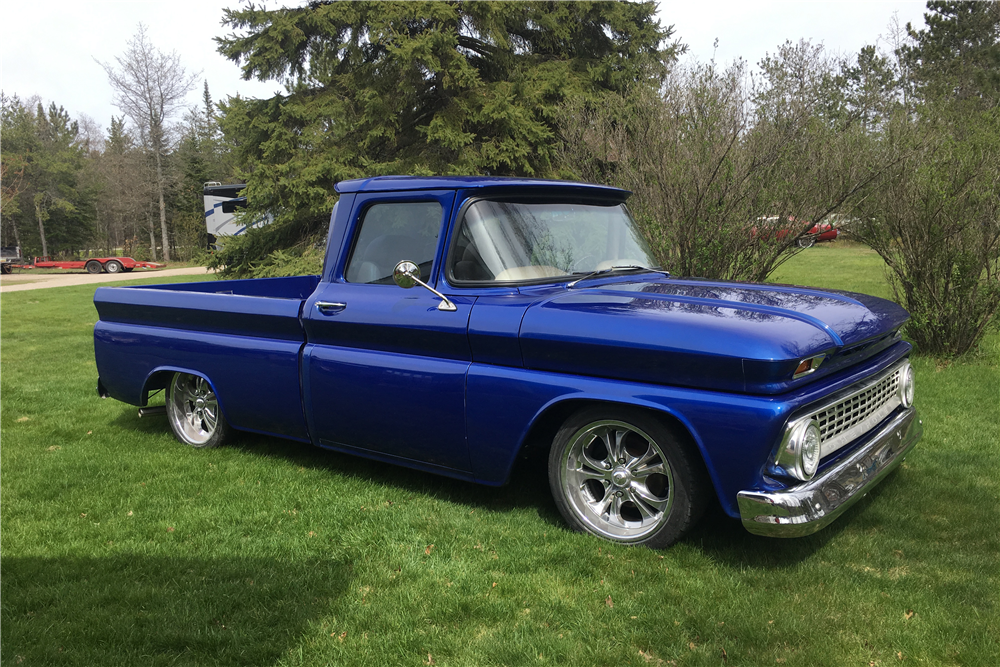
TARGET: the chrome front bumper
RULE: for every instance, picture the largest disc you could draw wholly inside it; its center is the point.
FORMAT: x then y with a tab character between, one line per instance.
810	506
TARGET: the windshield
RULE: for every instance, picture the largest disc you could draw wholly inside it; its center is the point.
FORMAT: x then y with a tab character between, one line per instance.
500	241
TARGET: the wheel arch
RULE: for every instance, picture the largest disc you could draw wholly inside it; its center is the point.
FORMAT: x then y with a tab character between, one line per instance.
546	423
159	378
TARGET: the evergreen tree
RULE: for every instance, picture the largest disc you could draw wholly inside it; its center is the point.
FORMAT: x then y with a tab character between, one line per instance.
957	58
418	88
19	143
51	212
58	200
201	156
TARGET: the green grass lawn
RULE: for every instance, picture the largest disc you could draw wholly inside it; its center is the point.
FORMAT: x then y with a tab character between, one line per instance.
122	547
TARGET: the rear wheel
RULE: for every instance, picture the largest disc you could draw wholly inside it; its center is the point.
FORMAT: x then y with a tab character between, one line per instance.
93	266
114	266
620	474
193	412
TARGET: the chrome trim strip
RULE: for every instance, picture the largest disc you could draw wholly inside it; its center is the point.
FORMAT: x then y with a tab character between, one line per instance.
810	506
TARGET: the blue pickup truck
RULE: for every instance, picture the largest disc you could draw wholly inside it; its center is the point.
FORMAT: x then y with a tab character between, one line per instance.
460	320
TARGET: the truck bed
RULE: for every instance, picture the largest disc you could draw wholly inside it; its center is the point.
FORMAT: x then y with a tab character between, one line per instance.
245	334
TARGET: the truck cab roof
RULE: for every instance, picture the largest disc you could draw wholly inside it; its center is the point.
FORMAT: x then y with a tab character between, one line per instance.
402	183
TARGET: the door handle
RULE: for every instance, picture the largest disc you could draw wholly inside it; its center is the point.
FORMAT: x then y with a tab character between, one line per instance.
330	308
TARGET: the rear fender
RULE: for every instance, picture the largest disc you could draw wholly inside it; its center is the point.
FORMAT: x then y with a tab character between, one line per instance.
159	378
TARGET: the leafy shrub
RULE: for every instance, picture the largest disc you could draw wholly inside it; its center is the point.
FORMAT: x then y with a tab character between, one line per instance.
935	220
727	175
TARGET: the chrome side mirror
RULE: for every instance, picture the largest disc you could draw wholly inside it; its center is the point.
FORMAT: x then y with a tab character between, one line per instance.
407	274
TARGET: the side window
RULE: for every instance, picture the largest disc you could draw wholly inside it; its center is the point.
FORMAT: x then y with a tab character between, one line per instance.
390	233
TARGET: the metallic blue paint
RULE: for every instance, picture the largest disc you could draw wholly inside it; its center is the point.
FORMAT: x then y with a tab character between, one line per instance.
292	287
401	405
718	336
395	184
494	328
736	434
236	307
256	379
387	372
390	377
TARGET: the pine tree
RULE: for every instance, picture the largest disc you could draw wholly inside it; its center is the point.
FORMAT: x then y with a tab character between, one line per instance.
201	156
51	211
957	58
419	88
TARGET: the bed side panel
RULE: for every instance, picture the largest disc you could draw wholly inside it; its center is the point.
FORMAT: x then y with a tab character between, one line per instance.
256	379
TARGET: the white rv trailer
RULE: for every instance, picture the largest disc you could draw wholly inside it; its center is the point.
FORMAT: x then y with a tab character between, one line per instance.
221	202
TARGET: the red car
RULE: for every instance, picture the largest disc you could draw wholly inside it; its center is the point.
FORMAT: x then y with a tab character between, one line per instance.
824	231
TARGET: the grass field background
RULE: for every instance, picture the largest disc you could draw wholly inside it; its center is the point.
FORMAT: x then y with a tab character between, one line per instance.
122	547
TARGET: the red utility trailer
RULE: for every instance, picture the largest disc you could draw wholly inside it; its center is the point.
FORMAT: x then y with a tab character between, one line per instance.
93	265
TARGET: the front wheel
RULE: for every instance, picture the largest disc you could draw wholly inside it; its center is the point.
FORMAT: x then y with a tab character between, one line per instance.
806	241
113	266
93	267
193	412
620	474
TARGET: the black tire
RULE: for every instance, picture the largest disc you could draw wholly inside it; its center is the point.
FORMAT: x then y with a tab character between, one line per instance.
649	492
6	269
193	412
114	266
806	241
93	267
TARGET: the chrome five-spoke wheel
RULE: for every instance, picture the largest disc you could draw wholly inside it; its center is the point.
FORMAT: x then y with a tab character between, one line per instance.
623	476
193	411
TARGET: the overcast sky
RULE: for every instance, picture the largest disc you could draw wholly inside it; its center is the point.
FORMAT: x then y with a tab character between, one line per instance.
49	48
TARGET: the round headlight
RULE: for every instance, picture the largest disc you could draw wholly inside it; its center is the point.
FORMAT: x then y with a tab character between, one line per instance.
809	450
906	386
800	452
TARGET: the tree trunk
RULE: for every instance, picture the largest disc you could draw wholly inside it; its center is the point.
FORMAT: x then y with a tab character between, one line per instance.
17	235
41	227
152	236
163	208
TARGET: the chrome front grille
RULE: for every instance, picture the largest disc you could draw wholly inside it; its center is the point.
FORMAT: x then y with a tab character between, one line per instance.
851	416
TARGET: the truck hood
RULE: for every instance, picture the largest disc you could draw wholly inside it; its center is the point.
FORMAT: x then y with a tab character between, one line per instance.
711	335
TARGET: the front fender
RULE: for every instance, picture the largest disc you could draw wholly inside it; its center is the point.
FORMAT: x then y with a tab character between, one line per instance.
507	405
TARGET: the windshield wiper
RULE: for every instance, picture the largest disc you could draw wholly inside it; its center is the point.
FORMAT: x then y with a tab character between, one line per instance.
610	269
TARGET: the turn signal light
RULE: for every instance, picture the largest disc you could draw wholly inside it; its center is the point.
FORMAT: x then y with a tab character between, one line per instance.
807	366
